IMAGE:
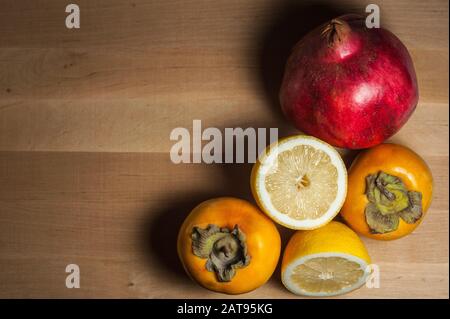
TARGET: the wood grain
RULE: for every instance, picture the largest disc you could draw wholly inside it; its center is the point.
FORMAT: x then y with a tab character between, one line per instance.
85	118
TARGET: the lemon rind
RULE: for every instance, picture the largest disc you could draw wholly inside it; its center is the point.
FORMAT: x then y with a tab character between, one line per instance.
266	161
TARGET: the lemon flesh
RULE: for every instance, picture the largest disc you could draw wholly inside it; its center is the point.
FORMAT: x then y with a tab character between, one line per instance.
327	276
303	182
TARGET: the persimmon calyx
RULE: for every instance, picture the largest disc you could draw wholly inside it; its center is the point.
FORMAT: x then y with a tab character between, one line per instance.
224	249
389	200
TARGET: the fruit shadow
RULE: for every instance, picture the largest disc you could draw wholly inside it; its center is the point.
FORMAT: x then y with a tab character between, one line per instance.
161	225
160	232
291	21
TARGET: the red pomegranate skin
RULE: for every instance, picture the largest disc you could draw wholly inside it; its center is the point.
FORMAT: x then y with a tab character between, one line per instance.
348	85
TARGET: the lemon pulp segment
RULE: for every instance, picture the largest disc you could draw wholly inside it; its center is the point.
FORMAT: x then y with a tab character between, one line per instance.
327	275
303	183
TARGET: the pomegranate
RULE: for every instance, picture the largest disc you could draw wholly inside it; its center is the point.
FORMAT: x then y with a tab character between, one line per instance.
349	85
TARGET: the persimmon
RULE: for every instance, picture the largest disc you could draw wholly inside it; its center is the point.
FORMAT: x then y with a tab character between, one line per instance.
228	245
389	192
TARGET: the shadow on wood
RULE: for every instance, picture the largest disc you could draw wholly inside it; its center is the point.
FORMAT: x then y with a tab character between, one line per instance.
160	234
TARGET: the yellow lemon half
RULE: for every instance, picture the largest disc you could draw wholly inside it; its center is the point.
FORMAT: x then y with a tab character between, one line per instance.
300	182
323	262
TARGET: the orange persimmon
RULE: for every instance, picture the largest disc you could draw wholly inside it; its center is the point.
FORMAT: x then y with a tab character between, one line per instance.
389	191
227	245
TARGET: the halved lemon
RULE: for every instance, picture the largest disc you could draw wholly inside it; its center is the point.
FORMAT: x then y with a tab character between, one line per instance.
300	182
323	262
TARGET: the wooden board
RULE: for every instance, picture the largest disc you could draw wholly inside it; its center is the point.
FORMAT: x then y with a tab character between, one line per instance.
85	118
